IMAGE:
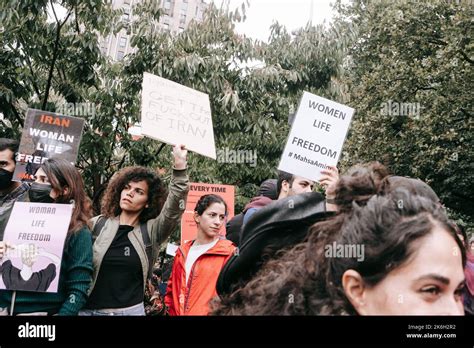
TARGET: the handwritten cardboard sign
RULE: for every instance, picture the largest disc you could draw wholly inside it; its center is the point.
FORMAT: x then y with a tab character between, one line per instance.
174	114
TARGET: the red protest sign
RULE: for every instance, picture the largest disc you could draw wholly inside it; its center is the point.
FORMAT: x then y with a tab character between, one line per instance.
196	190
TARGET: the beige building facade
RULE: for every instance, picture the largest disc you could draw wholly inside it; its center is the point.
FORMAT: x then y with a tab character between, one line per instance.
177	14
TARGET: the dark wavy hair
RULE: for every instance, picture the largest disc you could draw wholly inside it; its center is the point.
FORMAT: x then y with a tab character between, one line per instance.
360	183
62	174
156	192
303	281
205	201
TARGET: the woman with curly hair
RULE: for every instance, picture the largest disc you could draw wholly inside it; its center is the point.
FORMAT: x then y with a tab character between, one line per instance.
411	262
134	219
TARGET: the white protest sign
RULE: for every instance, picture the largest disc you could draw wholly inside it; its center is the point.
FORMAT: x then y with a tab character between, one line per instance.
316	137
36	233
171	249
176	114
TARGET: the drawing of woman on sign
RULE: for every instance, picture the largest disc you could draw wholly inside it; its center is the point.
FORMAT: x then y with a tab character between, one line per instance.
32	167
25	278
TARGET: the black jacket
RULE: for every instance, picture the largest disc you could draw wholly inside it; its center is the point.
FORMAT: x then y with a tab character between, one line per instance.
279	225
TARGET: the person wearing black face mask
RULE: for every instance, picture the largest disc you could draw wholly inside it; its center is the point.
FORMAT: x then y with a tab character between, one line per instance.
58	181
10	191
5	179
40	193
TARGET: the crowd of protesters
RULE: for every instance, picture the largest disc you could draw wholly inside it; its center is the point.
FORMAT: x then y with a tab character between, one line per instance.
372	244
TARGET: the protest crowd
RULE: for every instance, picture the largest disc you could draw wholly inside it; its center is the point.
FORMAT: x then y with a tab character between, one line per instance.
373	243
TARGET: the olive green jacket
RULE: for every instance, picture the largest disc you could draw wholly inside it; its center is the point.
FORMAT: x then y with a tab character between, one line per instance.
159	228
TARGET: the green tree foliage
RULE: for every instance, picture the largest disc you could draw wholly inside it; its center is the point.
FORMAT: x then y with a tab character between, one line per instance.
421	53
401	52
41	57
253	87
250	105
47	61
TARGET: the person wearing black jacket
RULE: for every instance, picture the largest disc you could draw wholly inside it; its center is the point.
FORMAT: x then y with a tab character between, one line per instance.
266	193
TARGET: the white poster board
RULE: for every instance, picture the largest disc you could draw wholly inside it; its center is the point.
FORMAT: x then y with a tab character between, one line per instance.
171	249
36	233
316	137
176	114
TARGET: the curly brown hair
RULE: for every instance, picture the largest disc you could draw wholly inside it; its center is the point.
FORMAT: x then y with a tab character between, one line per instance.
156	192
303	281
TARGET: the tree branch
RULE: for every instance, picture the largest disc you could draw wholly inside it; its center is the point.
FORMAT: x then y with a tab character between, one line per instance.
438	42
113	140
17	116
119	166
54	12
84	159
466	57
122	161
55	56
442	43
33	79
159	150
424	89
77	23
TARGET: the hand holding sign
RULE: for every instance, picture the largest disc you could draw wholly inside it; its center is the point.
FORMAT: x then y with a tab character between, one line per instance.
4	246
329	179
180	153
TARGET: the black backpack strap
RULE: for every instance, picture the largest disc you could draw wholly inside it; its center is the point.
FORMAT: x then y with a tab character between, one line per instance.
148	247
99	224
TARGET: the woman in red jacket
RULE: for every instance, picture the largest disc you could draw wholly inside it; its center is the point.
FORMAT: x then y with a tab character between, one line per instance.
197	263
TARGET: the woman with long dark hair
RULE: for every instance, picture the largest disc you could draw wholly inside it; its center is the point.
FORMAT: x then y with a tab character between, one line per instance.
385	253
58	181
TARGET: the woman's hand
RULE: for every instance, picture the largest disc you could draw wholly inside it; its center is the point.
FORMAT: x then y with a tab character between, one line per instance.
179	154
329	181
4	246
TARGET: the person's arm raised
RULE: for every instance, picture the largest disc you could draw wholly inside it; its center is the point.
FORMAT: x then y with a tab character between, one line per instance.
161	227
329	181
180	157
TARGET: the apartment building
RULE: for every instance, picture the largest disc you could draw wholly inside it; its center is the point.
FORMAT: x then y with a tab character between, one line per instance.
177	14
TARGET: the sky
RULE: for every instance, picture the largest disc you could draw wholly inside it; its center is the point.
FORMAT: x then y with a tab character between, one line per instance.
293	14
